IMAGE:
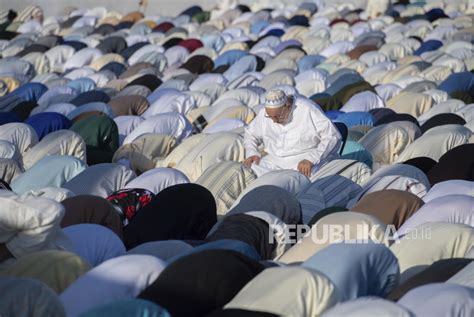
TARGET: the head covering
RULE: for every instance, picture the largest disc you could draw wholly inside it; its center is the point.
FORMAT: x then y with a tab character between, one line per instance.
28	297
157	179
368	306
164	250
57	269
211	279
438	272
169	216
50	171
437	240
357	269
100	133
118	278
457	163
272	199
423	163
289	291
451	187
128	202
391	206
100	180
275	99
226	181
439	299
47	122
246	228
23	136
91	209
94	243
450	208
315	240
127	308
129	105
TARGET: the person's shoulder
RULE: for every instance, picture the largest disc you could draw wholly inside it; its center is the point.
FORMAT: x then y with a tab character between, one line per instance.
307	105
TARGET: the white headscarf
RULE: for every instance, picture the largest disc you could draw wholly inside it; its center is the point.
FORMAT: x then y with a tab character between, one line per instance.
157	179
119	278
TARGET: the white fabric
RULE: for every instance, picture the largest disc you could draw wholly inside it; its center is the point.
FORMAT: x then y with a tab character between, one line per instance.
368	306
157	179
450	187
29	224
172	124
308	135
119	278
363	101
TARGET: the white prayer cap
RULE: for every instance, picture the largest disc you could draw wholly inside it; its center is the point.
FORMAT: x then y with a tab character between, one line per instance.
275	98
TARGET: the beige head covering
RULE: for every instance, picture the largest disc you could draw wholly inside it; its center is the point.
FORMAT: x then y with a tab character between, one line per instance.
287	291
431	242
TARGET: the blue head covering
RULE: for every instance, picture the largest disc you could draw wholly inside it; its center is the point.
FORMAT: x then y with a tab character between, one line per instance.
229	57
30	91
82	84
309	62
90	96
284	45
463	81
8	117
93	106
47	122
355	151
334	114
358	269
225	244
351	119
258	26
50	171
275	32
343	81
428	46
128	308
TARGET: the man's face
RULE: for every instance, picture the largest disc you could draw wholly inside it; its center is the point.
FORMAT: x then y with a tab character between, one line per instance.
279	115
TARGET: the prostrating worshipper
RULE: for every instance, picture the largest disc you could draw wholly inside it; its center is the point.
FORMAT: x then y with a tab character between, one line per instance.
293	132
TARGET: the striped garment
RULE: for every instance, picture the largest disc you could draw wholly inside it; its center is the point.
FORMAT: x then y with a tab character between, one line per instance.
328	191
355	171
226	181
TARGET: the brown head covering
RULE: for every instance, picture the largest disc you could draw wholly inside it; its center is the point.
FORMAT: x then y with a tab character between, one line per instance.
392	207
91	209
132	17
199	64
356	52
132	105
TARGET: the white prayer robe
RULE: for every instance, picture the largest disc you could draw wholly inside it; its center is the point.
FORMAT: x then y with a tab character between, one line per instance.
308	135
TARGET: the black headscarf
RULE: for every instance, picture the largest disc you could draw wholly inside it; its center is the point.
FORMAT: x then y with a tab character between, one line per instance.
246	228
199	64
397	117
24	108
150	81
379	113
457	163
199	283
442	119
112	44
126	53
181	212
438	272
423	163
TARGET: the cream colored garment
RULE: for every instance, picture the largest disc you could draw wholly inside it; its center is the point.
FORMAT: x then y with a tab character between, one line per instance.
320	235
414	104
436	141
144	152
429	243
209	149
356	171
62	142
226	181
387	141
22	135
29	224
287	291
9	170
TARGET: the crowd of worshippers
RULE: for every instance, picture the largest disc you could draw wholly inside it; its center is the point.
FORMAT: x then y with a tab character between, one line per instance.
161	166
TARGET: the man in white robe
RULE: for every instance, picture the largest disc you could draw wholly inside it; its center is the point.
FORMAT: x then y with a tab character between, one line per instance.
293	132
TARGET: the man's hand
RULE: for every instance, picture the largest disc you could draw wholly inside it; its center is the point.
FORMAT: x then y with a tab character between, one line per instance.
304	167
253	159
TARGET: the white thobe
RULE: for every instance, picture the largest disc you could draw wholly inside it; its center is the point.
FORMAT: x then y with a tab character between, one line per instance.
308	135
